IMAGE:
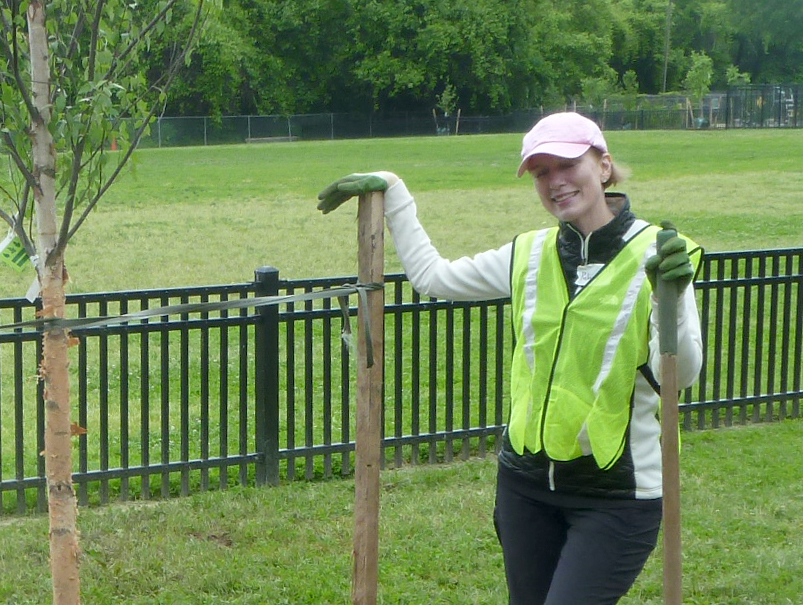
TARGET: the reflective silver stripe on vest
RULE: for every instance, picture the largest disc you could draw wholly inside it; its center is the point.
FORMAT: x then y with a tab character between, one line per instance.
626	311
637	227
531	296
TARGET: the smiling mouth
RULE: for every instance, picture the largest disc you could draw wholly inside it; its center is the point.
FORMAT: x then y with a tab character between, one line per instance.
559	199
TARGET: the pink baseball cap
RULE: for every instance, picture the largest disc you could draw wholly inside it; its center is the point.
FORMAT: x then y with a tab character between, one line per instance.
566	135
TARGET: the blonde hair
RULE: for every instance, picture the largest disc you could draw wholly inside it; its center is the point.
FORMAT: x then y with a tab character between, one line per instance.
619	173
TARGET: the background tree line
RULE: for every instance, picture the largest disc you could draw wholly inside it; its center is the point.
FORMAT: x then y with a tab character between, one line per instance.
482	56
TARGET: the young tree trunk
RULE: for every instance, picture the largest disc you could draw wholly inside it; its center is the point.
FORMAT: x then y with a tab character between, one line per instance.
54	368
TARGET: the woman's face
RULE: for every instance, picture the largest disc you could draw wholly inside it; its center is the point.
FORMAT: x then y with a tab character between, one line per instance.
572	189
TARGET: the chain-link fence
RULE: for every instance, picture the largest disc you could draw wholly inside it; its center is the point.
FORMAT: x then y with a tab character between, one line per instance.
766	106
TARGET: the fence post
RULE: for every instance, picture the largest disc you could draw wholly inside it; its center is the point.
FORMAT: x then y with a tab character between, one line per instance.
266	379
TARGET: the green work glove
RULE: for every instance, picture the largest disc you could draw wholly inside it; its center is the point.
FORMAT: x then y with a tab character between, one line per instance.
347	187
671	264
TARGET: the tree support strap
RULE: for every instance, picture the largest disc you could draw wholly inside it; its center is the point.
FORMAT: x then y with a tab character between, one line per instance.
341	293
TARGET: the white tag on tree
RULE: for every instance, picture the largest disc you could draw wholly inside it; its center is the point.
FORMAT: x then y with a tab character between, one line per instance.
33	290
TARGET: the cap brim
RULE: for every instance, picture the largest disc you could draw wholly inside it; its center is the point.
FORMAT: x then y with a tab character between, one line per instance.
561	150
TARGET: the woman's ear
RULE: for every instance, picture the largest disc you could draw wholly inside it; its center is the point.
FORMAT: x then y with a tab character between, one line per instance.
606	167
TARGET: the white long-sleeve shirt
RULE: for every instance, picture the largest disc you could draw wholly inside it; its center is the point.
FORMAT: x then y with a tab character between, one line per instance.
486	276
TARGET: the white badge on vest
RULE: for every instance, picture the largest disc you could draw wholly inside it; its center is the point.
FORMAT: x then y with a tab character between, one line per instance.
585	273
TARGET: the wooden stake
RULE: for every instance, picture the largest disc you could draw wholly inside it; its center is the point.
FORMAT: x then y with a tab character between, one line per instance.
670	443
371	233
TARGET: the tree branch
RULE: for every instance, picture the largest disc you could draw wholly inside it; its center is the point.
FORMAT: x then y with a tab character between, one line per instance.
105	186
167	78
27	174
12	54
69	203
93	45
15	222
145	30
76	34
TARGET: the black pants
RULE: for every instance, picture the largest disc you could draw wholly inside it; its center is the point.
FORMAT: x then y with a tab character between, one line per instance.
570	556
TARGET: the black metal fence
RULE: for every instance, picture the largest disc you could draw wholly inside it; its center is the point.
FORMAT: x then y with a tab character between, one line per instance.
764	106
196	402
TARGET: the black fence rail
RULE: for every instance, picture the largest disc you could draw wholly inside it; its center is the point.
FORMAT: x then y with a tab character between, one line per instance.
751	306
179	404
764	106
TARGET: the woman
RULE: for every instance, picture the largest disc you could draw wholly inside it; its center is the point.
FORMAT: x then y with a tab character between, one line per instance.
578	501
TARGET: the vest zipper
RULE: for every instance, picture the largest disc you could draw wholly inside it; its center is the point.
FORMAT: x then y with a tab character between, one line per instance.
584	243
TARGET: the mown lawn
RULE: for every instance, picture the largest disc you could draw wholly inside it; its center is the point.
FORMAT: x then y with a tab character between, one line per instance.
211	215
742	522
208	215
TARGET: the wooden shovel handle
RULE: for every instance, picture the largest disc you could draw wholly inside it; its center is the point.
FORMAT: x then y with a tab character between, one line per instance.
670	441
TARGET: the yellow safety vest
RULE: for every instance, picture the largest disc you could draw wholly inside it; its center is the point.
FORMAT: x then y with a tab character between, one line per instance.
575	362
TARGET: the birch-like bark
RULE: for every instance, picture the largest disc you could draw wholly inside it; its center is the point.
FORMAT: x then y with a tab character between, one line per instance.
54	369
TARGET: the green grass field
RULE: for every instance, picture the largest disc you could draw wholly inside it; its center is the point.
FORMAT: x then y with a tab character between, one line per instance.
184	217
742	522
199	216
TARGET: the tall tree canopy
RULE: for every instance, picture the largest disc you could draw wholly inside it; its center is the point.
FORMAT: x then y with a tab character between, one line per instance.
495	56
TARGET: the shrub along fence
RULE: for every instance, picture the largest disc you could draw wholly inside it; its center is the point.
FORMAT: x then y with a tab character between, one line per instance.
195	401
